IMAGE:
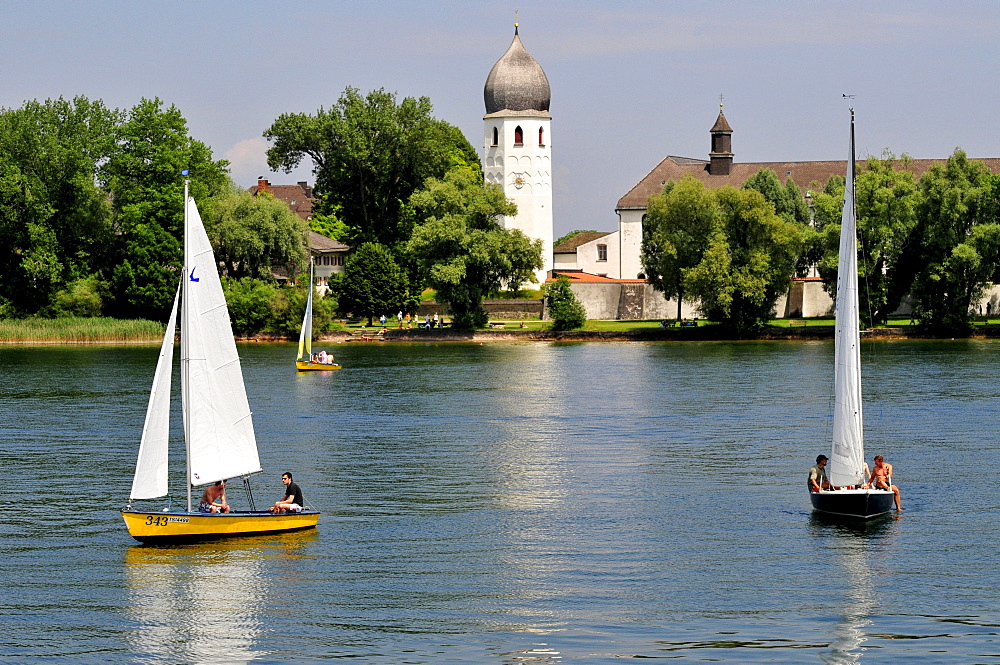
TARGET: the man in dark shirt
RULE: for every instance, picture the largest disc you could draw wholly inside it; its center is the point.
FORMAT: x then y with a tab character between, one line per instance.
292	501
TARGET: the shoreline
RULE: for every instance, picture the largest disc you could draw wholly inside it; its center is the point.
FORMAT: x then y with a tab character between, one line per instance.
699	334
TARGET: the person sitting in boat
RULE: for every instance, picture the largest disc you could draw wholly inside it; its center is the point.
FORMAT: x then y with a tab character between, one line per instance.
214	499
881	478
817	475
292	501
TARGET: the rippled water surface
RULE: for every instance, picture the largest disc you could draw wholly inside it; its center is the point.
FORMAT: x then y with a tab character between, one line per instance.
515	503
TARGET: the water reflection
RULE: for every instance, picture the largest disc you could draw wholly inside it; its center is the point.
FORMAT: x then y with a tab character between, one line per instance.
852	545
206	602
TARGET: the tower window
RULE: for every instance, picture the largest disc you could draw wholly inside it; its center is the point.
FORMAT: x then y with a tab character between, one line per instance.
602	252
518	136
541	136
496	136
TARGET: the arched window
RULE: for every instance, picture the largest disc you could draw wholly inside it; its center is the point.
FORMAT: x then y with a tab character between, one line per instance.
496	136
518	136
541	136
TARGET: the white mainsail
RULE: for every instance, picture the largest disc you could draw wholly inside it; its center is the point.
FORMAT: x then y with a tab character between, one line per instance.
150	480
217	423
848	453
305	335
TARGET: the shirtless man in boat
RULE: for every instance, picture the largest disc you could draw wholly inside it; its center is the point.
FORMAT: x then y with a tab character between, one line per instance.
214	499
881	478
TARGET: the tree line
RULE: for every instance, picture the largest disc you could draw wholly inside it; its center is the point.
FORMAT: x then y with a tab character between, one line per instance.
91	213
934	241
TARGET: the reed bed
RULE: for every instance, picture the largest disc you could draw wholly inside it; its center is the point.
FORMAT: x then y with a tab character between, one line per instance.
79	330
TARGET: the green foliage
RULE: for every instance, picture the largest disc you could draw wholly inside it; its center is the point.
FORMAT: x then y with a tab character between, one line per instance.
726	248
676	234
252	235
331	227
81	297
370	154
143	177
957	242
886	200
373	283
460	248
250	304
55	223
566	311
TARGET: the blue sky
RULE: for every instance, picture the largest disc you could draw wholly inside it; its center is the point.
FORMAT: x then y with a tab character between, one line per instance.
631	81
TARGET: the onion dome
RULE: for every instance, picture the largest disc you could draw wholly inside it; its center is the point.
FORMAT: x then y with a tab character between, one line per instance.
516	82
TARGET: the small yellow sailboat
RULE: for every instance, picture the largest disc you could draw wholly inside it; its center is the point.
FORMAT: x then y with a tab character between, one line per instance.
218	429
307	360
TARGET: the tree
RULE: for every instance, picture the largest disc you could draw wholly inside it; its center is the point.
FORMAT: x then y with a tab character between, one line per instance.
144	179
252	235
460	248
676	234
55	222
959	242
373	283
566	311
886	198
369	155
749	261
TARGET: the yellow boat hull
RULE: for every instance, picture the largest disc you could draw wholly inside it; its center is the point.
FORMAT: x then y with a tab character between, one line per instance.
148	526
305	366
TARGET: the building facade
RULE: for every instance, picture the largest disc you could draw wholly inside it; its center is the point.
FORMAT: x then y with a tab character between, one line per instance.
517	138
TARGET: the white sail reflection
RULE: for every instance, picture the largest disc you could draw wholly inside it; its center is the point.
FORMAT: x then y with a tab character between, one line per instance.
853	547
197	604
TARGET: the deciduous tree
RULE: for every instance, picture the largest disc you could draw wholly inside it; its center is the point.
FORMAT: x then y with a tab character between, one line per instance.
369	155
460	248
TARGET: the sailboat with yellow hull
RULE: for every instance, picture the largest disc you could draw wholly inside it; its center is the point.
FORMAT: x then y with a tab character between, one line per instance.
218	430
306	360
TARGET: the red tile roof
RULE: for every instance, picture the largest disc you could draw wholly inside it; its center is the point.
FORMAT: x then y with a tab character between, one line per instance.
299	197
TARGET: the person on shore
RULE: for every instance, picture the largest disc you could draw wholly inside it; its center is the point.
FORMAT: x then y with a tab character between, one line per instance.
214	499
881	479
292	501
817	475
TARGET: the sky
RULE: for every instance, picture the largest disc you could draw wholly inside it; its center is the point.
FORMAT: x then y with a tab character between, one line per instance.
632	82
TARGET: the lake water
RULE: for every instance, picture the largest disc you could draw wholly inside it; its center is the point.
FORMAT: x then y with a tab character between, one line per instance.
511	503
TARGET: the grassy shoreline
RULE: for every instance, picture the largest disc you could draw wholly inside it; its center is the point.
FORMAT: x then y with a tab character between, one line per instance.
79	330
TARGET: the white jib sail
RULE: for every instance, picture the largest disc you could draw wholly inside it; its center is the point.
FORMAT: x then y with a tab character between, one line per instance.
150	479
218	426
305	335
848	453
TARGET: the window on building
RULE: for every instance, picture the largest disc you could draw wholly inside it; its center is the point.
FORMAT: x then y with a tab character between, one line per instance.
518	136
496	136
541	136
602	252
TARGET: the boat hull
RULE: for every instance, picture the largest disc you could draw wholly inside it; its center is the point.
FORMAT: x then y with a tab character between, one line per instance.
150	526
305	366
863	504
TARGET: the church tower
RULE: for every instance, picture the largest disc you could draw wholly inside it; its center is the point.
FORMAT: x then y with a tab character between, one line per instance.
518	143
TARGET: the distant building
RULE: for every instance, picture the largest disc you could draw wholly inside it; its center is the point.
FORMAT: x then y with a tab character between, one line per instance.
589	252
328	254
720	170
518	143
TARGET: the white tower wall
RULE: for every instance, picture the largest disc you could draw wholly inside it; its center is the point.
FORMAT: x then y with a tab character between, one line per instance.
524	171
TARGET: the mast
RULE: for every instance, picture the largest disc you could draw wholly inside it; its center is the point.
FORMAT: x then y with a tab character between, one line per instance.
847	454
185	355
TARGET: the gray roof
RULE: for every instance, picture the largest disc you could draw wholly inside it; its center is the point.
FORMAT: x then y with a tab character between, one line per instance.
805	174
322	244
516	82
